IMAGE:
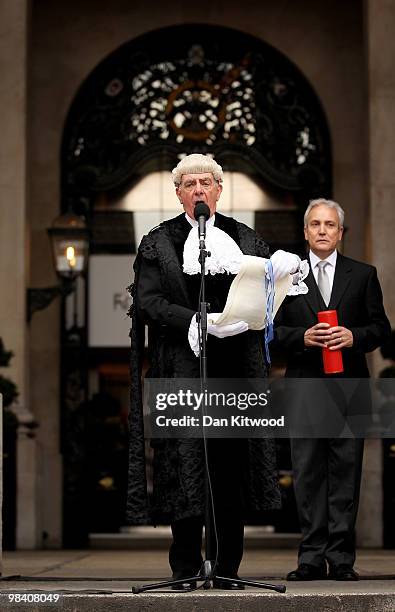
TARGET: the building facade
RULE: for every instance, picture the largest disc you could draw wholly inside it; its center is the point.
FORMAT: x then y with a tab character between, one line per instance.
49	51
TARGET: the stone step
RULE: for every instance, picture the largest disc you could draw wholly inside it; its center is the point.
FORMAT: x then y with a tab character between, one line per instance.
207	601
160	537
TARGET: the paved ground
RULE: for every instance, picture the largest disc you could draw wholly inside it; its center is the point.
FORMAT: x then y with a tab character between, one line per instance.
98	580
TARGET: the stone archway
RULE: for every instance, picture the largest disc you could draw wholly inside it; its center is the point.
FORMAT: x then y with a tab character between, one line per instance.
213	90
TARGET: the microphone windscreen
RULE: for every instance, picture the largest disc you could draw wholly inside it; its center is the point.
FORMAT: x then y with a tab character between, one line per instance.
201	209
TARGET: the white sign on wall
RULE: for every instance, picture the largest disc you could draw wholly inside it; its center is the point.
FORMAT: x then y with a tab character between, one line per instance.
109	301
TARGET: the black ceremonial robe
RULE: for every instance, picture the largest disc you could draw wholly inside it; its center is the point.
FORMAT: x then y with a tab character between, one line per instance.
165	299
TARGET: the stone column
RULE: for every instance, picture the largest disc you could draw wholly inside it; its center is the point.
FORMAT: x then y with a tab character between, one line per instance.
381	53
380	27
14	16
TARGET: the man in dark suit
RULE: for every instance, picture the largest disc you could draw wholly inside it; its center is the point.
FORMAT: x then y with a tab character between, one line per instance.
327	472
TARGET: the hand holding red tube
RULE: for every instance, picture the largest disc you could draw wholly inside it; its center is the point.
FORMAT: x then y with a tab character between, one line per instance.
331	353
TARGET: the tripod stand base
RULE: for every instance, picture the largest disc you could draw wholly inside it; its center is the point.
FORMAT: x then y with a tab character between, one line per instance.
209	579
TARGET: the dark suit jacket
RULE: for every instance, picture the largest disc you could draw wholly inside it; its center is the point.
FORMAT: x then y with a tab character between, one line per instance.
357	297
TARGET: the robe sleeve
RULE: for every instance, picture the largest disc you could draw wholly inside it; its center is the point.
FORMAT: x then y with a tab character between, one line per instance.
152	305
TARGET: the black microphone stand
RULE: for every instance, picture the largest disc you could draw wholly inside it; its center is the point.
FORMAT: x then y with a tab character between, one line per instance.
207	573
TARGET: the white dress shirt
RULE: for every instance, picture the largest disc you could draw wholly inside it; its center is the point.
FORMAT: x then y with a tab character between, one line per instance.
194	223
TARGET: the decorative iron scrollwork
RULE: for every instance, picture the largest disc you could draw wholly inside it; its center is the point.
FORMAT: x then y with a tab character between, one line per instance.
212	89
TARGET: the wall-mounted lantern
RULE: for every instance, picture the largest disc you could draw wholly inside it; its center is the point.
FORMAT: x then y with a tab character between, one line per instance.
70	244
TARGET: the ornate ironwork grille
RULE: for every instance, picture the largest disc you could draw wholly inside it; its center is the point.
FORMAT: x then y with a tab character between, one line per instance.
196	88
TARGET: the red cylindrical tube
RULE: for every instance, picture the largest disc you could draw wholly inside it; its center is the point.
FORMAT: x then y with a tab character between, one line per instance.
333	360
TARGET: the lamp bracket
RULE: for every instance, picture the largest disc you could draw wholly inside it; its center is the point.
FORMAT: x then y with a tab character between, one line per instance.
38	299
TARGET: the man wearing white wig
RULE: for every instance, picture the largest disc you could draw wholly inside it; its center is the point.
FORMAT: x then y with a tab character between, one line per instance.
165	297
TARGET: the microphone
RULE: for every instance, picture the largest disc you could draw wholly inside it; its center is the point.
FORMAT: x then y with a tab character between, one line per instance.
201	214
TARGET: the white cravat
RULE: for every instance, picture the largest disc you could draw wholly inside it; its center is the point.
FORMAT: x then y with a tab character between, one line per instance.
226	255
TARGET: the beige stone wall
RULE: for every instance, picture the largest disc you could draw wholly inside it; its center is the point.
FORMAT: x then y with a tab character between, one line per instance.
381	53
14	19
68	40
13	269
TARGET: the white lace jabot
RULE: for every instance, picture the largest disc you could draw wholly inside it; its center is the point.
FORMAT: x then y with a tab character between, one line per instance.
226	256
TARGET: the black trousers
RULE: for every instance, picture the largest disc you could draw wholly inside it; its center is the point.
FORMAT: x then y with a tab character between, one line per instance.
327	477
227	462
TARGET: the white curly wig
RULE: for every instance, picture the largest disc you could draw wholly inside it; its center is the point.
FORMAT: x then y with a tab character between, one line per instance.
196	163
